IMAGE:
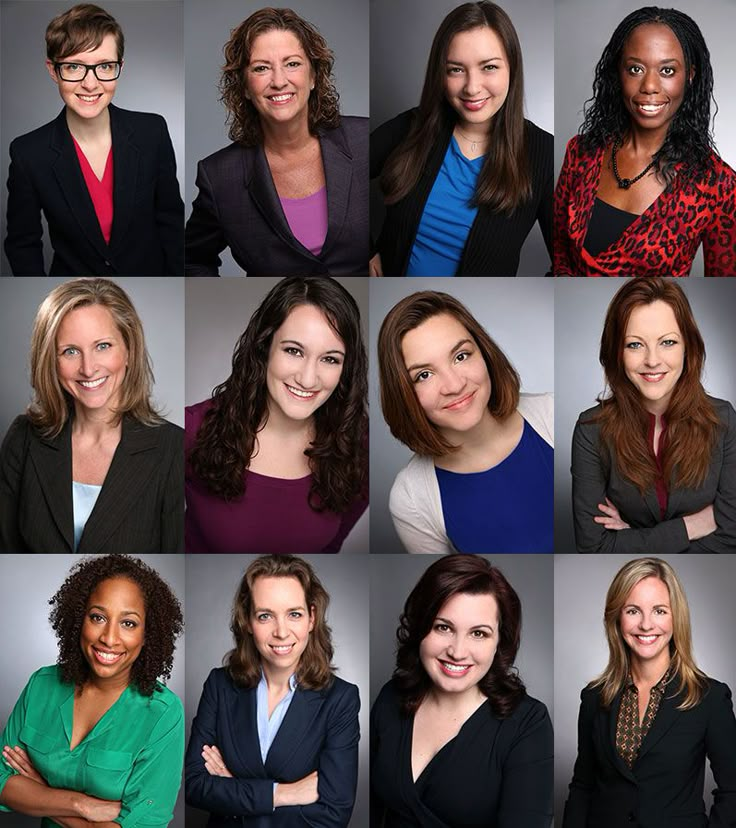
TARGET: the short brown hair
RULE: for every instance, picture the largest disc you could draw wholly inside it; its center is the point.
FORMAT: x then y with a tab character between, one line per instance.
401	409
80	29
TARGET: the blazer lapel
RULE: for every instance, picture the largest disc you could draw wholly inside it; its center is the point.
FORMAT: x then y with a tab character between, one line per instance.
337	161
663	721
244	718
295	728
52	459
608	719
125	159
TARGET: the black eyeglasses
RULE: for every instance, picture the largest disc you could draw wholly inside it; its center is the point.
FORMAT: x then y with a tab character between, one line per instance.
108	71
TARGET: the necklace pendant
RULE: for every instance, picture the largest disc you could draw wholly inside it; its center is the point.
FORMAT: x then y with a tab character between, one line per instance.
624	183
473	146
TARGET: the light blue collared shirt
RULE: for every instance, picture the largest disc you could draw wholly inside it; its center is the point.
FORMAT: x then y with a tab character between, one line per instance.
269	727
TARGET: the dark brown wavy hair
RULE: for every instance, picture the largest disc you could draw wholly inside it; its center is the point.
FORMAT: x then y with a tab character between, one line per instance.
163	625
338	455
401	409
504	182
243	117
449	576
79	29
692	423
243	662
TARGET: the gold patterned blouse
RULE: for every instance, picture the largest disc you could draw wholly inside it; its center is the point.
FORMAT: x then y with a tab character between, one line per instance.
629	733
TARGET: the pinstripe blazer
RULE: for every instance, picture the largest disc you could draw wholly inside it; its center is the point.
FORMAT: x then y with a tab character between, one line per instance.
140	508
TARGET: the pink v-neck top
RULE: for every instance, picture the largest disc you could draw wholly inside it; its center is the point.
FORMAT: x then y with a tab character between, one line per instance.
307	218
99	191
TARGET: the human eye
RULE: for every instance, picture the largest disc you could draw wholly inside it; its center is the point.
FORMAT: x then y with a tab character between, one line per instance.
462	356
479	634
634	70
490	67
331	360
292	350
422	376
72	67
454	70
294	64
670	342
660	611
70	351
631	611
441	627
96	618
259	68
296	614
104	346
668	71
633	346
129	624
263	617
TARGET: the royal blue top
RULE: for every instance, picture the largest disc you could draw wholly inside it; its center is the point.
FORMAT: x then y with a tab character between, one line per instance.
448	216
508	508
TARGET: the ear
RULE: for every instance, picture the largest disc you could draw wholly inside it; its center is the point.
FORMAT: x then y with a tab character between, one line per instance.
52	71
692	75
311	618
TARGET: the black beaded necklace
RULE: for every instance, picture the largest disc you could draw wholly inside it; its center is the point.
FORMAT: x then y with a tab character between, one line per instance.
625	183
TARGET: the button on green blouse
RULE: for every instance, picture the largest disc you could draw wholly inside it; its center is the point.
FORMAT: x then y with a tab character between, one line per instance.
134	753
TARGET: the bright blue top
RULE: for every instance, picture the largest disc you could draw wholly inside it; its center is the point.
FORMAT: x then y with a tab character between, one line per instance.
84	497
508	508
448	216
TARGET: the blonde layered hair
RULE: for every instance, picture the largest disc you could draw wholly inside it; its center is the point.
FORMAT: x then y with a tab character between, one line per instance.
692	681
51	405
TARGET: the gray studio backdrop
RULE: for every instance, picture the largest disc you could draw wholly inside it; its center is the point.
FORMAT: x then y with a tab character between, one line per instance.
580	309
211	584
582	30
160	305
26	584
217	313
519	316
401	36
581	651
207	27
152	79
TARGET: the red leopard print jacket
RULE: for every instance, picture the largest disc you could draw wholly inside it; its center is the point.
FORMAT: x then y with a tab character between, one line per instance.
663	241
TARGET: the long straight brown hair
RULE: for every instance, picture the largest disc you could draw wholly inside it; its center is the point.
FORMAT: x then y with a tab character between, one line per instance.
504	181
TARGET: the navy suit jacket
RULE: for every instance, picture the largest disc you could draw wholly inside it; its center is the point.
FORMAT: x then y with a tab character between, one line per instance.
238	207
147	236
320	732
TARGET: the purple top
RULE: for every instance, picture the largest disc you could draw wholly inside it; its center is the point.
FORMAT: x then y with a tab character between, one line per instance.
273	516
307	219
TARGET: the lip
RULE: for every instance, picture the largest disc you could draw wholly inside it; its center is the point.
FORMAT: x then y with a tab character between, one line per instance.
462	403
281	99
450	668
651	636
653	376
103	656
100	382
474	104
299	393
281	649
96	97
649	109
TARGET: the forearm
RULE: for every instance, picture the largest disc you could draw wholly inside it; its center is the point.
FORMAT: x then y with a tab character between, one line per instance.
33	799
80	822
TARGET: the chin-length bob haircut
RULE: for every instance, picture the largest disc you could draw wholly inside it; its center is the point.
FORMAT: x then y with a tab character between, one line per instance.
338	456
163	624
315	670
51	404
401	409
692	423
79	29
243	117
449	576
691	681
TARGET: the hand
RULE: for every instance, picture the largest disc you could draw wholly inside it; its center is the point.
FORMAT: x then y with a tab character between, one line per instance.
701	523
19	761
301	792
213	762
374	266
612	519
98	810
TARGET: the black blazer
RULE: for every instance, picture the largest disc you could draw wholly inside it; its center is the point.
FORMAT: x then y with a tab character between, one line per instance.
147	230
495	240
238	207
665	787
319	732
595	477
140	508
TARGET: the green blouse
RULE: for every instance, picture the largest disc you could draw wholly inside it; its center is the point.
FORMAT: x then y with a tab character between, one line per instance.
134	753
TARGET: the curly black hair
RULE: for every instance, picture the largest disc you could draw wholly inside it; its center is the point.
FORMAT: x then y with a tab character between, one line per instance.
689	139
164	620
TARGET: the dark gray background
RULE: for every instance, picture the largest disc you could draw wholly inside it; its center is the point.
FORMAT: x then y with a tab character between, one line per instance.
519	317
580	309
151	81
26	584
211	584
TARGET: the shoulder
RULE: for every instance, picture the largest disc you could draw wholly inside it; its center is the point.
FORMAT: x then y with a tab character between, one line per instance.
716	692
529	713
539	411
165	432
45	683
33	141
353	127
388	699
719	176
724	410
396	128
166	699
138	121
19	431
541	144
163	710
342	693
226	157
194	415
46	675
411	476
587	420
590	698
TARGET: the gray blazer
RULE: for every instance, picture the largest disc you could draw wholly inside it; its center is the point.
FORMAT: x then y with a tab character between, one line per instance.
594	479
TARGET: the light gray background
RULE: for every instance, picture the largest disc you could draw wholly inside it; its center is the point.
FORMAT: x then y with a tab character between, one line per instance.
160	305
26	584
152	79
582	31
581	651
217	313
580	309
207	27
401	37
519	316
211	584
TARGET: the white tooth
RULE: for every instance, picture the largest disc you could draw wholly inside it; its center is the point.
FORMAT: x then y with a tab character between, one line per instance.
92	383
456	668
300	393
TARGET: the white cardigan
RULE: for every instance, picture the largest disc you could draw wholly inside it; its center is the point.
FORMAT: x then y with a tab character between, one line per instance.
415	504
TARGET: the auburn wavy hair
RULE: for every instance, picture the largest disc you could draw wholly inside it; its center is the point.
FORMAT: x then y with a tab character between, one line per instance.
338	455
243	117
449	576
692	423
243	662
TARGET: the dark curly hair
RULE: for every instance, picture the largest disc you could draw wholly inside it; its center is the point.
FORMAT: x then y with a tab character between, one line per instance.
164	620
449	576
689	139
338	455
244	120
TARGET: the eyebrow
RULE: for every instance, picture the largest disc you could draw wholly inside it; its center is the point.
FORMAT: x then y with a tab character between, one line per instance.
266	609
94	342
656	606
299	345
480	62
661	336
661	62
451	351
288	57
104	609
475	627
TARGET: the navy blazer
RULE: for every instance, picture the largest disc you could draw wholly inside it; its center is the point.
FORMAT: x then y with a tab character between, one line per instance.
238	207
140	508
664	789
320	732
147	237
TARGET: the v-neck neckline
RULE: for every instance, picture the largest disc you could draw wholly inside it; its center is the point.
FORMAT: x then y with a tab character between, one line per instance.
68	719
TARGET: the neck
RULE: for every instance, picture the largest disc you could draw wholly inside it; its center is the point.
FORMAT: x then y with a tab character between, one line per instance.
286	427
453	704
479	133
108	687
277	681
470	442
648	673
89	130
94	424
644	143
656	407
290	137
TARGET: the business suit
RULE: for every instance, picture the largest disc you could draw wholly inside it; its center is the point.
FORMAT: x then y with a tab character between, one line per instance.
140	508
148	213
320	732
238	207
664	788
595	476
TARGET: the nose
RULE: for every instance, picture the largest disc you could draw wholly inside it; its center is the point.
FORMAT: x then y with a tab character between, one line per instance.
651	358
278	77
87	365
471	83
456	650
281	630
90	80
650	83
109	634
306	376
645	622
452	383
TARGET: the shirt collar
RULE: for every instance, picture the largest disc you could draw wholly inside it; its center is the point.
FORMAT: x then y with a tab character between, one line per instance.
292	681
659	687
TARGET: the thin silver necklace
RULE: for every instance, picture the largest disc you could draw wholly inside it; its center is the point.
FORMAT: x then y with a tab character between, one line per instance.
473	144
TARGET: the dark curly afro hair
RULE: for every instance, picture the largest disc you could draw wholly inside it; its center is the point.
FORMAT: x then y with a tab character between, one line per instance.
164	620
